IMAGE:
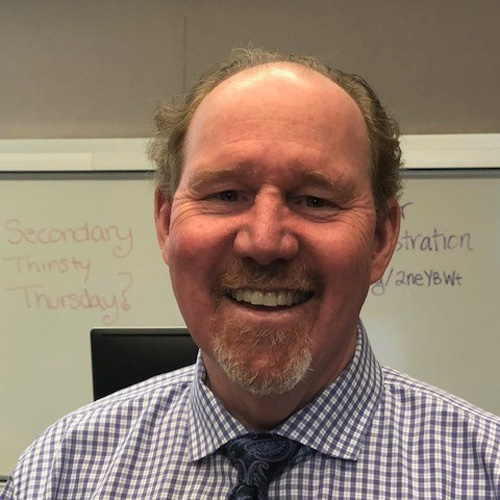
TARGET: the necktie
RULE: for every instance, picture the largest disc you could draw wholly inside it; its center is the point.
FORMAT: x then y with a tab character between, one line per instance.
259	458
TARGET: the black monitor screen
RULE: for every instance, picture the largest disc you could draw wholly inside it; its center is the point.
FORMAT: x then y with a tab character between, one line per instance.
125	356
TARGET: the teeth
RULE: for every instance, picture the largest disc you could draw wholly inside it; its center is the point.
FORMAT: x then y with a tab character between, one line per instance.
282	298
268	299
258	298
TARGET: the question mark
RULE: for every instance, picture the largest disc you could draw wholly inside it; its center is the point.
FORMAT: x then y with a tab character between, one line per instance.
125	303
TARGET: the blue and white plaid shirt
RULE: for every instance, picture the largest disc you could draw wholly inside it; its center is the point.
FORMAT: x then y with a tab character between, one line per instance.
375	434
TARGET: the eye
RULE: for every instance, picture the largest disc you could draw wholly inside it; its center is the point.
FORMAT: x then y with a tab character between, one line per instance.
230	195
310	201
322	208
314	202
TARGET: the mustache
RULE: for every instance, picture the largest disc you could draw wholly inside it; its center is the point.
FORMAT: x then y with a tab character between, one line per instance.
279	275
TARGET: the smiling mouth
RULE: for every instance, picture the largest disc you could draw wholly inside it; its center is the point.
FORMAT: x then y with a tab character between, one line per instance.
283	298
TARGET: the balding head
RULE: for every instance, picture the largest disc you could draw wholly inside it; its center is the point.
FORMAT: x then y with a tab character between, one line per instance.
173	119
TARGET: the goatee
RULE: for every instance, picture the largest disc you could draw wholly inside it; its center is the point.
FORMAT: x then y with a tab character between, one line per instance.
264	359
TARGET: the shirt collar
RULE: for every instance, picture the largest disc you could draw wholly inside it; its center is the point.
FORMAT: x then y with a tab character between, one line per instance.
211	425
334	423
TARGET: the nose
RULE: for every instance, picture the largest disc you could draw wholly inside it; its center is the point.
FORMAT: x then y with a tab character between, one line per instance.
265	234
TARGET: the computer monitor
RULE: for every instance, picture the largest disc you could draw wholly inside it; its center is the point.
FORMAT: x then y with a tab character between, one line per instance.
124	356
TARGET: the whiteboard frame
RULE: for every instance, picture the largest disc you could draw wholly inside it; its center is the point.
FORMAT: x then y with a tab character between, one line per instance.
434	151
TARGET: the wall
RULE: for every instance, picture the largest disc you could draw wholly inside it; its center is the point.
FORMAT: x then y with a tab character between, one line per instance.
97	69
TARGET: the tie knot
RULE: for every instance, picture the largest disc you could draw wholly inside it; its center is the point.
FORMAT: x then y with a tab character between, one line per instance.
259	458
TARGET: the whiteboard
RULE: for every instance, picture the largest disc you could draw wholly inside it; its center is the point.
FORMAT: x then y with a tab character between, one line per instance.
79	250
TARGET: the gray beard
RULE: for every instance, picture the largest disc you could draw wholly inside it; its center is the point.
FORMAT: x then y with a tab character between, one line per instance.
284	356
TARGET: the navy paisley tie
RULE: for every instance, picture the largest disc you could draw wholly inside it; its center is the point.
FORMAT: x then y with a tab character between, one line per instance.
259	458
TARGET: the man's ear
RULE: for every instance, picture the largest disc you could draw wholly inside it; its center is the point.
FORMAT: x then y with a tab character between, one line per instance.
386	238
162	210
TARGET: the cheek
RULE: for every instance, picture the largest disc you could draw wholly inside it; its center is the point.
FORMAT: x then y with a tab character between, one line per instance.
188	266
198	248
347	258
190	288
196	253
197	236
194	263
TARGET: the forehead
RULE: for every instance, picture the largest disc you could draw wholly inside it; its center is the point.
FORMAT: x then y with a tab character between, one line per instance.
276	105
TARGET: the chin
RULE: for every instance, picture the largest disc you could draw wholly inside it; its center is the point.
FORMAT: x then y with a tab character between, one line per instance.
263	360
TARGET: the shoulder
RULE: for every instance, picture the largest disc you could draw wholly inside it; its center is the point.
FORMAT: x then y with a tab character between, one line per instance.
424	407
96	433
160	393
438	436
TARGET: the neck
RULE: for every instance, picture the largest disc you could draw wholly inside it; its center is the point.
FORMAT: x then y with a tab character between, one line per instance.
259	413
263	413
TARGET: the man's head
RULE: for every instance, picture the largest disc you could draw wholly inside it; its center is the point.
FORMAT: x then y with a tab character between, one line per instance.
173	118
271	234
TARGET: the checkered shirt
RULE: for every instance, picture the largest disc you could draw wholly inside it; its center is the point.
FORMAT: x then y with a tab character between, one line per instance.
375	434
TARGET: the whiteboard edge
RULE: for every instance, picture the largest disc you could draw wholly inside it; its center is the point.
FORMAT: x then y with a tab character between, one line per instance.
432	151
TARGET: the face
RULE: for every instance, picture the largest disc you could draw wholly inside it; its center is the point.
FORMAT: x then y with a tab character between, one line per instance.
271	238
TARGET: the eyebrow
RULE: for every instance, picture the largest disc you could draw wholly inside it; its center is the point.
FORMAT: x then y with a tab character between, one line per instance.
303	177
201	179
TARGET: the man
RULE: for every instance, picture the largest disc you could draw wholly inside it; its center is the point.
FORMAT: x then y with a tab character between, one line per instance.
276	208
